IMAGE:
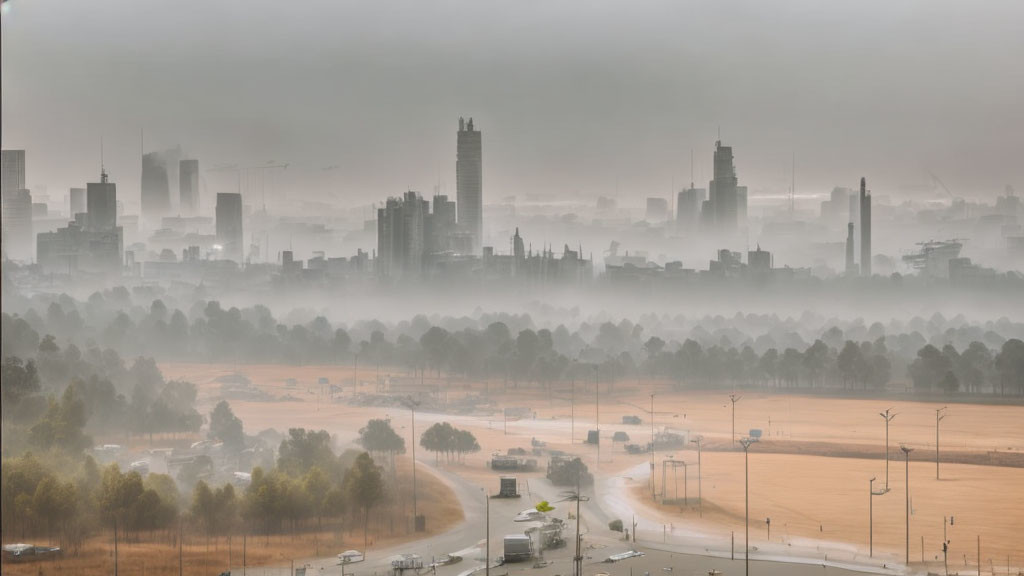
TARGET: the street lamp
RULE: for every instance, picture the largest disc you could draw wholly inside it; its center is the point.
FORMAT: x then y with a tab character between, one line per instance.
906	452
597	413
577	559
487	515
888	418
871	515
700	497
412	404
746	442
734	398
938	418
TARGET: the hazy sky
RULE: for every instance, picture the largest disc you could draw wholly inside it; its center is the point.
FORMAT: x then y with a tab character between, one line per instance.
571	96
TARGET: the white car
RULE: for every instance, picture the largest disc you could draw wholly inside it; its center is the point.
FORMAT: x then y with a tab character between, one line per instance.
350	556
529	515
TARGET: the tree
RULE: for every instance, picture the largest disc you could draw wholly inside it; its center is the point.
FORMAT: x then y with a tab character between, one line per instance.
379	437
1010	366
226	427
364	486
302	449
62	425
20	380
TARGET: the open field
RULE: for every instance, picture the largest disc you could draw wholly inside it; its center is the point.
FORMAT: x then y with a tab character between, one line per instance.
811	496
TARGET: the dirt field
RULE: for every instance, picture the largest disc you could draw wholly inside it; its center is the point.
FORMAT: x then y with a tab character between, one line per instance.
808	497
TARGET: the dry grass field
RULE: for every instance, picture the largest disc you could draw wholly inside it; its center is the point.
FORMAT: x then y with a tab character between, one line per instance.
809	496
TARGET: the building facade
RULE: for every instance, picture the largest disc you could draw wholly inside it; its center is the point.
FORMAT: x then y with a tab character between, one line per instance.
469	183
229	226
188	187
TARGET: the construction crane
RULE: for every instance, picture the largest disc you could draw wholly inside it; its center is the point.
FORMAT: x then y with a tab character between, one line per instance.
935	179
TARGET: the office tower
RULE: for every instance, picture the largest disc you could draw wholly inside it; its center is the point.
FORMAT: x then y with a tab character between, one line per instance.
688	204
12	167
657	210
759	261
229	226
865	229
156	193
188	187
469	183
851	266
76	202
101	204
741	206
442	224
724	197
17	224
402	236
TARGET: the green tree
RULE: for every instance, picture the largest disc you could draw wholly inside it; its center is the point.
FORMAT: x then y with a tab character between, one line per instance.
364	486
302	449
226	427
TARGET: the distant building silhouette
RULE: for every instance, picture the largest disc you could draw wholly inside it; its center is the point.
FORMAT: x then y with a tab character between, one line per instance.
16	203
725	195
469	183
402	236
657	210
229	226
851	264
76	202
101	204
92	243
688	206
865	229
188	187
156	193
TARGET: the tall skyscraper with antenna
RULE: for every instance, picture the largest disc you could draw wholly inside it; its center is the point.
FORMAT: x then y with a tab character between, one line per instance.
469	183
865	229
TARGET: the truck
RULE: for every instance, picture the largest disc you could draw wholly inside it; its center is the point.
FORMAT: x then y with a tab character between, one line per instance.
518	548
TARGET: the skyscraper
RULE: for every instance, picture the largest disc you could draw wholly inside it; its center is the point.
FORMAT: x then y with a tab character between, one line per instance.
76	202
188	187
101	204
865	229
156	193
12	166
16	202
402	236
724	196
469	183
688	204
851	265
229	225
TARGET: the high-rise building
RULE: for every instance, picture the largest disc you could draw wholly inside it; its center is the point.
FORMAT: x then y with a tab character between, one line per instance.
229	226
12	167
76	202
865	229
101	204
851	265
17	224
402	236
156	193
657	209
688	204
469	183
188	187
442	224
724	196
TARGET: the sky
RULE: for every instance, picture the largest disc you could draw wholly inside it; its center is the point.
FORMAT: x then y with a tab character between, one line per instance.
362	99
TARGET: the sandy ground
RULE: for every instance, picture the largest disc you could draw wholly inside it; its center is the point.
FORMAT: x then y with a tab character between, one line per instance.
818	504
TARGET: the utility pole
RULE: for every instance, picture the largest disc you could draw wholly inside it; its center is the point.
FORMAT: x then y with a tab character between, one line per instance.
243	553
597	413
653	489
412	419
888	418
355	374
734	398
572	409
487	554
180	564
700	496
938	418
906	453
871	517
746	442
115	546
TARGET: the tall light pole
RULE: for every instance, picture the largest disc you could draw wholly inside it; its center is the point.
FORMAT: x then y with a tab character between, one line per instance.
938	418
746	442
888	418
487	553
700	497
577	559
871	515
412	404
906	452
572	408
653	490
734	398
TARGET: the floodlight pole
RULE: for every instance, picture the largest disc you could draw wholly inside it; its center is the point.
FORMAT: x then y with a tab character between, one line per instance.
700	496
906	452
597	413
734	398
746	442
888	418
654	495
871	517
938	418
